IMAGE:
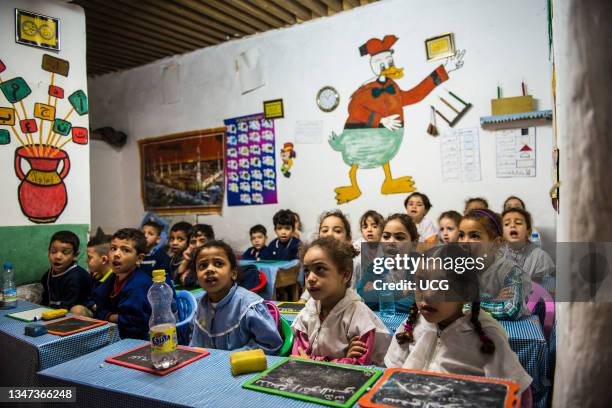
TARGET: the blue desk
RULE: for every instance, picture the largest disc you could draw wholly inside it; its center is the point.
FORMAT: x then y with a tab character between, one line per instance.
22	356
270	269
205	383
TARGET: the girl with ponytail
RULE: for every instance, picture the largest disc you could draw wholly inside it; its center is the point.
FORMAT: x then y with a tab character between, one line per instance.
437	336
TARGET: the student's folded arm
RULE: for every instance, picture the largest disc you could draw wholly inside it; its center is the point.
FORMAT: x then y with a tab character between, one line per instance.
510	308
366	358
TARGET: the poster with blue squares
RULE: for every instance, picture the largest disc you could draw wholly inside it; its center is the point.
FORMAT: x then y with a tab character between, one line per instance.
250	165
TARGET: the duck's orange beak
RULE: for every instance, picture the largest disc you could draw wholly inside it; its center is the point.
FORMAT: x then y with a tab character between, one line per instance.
393	73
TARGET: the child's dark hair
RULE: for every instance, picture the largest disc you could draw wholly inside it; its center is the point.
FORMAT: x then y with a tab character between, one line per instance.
467	288
157	226
202	229
371	214
284	217
66	237
490	220
229	252
451	215
514	198
181	226
100	244
340	215
134	235
406	222
524	213
258	228
482	200
424	198
298	220
341	254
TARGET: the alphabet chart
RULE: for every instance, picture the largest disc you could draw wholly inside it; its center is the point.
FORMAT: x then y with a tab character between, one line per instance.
250	165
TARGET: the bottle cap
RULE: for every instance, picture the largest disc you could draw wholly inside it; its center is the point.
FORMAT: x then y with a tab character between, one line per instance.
159	275
8	265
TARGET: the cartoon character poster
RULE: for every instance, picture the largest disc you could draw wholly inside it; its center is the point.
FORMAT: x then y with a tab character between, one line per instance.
374	130
41	163
250	165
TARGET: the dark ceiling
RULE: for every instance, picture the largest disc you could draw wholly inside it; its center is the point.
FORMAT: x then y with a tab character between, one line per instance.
123	34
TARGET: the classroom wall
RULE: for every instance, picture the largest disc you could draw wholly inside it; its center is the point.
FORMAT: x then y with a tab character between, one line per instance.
25	242
506	43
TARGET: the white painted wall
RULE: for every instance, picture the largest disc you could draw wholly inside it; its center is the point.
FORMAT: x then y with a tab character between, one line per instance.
506	43
25	61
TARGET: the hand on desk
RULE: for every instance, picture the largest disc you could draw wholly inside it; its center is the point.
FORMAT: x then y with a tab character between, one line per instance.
114	318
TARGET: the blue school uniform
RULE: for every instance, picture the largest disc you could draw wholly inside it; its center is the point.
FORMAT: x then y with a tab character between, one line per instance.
252	254
157	259
278	251
69	288
240	321
131	304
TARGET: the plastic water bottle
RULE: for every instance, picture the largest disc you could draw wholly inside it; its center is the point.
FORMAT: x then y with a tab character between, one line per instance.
9	292
162	324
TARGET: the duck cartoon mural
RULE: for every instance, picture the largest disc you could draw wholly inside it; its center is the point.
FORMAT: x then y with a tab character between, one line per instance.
374	130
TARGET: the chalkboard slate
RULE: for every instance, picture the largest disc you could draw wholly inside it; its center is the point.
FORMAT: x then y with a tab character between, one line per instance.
412	388
139	358
290	307
337	385
72	324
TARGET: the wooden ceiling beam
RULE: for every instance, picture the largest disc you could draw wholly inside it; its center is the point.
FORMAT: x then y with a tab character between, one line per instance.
142	33
235	12
315	7
294	8
350	4
110	38
96	11
235	25
162	15
270	8
168	49
333	5
114	53
247	13
122	48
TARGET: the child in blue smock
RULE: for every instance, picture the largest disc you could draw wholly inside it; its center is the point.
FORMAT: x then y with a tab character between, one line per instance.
229	317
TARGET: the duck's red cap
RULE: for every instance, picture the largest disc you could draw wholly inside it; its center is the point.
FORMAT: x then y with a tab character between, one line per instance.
375	46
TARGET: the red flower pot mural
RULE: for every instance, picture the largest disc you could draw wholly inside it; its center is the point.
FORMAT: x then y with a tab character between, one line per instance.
41	163
42	192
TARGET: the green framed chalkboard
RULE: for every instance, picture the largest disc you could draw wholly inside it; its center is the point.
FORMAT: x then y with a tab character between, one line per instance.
26	248
336	385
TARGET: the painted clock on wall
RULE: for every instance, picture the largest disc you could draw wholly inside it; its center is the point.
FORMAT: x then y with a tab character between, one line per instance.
328	99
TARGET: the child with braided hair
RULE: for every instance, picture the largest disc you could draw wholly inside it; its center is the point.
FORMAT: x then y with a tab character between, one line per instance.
438	337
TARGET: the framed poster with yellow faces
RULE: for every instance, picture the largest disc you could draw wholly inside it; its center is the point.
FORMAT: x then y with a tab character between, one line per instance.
37	30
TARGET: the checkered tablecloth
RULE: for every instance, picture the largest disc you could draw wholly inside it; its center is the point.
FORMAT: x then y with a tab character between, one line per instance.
22	356
528	342
270	269
207	382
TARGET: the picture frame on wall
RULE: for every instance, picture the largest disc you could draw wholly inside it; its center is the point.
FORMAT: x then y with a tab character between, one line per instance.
183	172
37	30
439	47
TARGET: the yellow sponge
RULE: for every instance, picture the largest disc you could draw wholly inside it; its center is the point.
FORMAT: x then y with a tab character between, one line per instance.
249	361
54	314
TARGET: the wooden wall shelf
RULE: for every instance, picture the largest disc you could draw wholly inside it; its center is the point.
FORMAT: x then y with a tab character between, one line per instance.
516	120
